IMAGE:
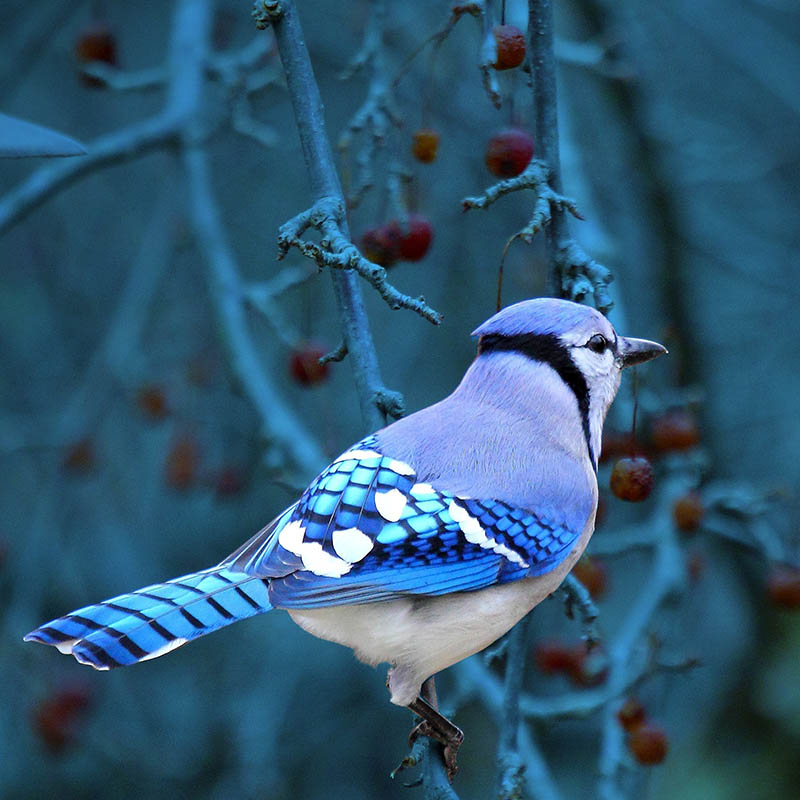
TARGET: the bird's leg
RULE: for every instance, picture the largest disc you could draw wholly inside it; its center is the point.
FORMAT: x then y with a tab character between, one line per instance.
436	726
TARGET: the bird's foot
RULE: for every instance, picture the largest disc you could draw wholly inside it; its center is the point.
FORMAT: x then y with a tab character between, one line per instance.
449	736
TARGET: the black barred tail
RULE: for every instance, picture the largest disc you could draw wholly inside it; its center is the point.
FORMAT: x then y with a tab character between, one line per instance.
153	621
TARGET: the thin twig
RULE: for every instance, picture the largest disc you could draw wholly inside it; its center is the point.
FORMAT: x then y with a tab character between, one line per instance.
281	425
377	114
546	201
477	680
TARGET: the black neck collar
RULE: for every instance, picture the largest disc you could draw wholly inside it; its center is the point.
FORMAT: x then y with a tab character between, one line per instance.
547	349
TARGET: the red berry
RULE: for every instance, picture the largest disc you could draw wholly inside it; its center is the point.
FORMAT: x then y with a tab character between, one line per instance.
509	152
425	145
80	456
229	481
676	429
783	586
593	574
510	46
381	245
589	667
96	42
688	512
632	479
416	240
648	743
304	365
55	717
183	460
584	667
152	402
555	656
631	714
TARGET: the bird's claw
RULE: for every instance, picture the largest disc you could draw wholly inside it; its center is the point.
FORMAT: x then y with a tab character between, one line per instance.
450	742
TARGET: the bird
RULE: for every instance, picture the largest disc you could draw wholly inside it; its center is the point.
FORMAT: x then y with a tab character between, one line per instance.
427	540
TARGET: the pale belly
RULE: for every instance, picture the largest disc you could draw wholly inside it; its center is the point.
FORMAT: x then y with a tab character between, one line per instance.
421	636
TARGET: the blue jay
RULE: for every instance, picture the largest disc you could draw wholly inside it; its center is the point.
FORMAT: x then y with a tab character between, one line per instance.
427	540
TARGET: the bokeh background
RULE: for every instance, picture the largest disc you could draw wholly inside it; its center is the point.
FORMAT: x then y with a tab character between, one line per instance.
130	453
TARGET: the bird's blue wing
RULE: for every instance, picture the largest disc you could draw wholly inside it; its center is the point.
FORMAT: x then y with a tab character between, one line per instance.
367	529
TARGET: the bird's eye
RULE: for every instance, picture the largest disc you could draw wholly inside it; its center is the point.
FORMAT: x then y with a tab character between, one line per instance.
598	343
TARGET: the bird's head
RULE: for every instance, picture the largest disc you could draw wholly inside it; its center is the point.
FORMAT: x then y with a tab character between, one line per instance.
578	342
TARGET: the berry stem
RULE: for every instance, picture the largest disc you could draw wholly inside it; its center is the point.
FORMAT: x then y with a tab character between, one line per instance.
632	442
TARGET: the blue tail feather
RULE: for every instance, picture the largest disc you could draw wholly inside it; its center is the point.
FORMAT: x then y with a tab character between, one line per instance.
156	619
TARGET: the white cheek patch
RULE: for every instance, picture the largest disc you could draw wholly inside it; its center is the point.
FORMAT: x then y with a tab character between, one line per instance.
351	544
357	455
390	504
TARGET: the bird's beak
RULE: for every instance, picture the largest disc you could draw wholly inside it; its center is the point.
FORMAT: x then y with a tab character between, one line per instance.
637	351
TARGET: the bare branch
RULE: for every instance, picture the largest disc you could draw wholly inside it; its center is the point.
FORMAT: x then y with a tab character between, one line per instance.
281	425
480	682
376	401
458	10
571	273
126	80
510	767
338	354
576	594
546	201
488	55
113	148
377	113
336	251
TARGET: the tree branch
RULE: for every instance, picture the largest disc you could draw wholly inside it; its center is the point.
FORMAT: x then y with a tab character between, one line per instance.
283	426
510	767
376	401
571	273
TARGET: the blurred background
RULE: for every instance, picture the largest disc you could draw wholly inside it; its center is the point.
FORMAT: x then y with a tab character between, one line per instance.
131	452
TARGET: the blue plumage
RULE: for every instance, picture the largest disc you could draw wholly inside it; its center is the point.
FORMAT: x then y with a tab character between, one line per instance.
464	516
432	542
153	620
